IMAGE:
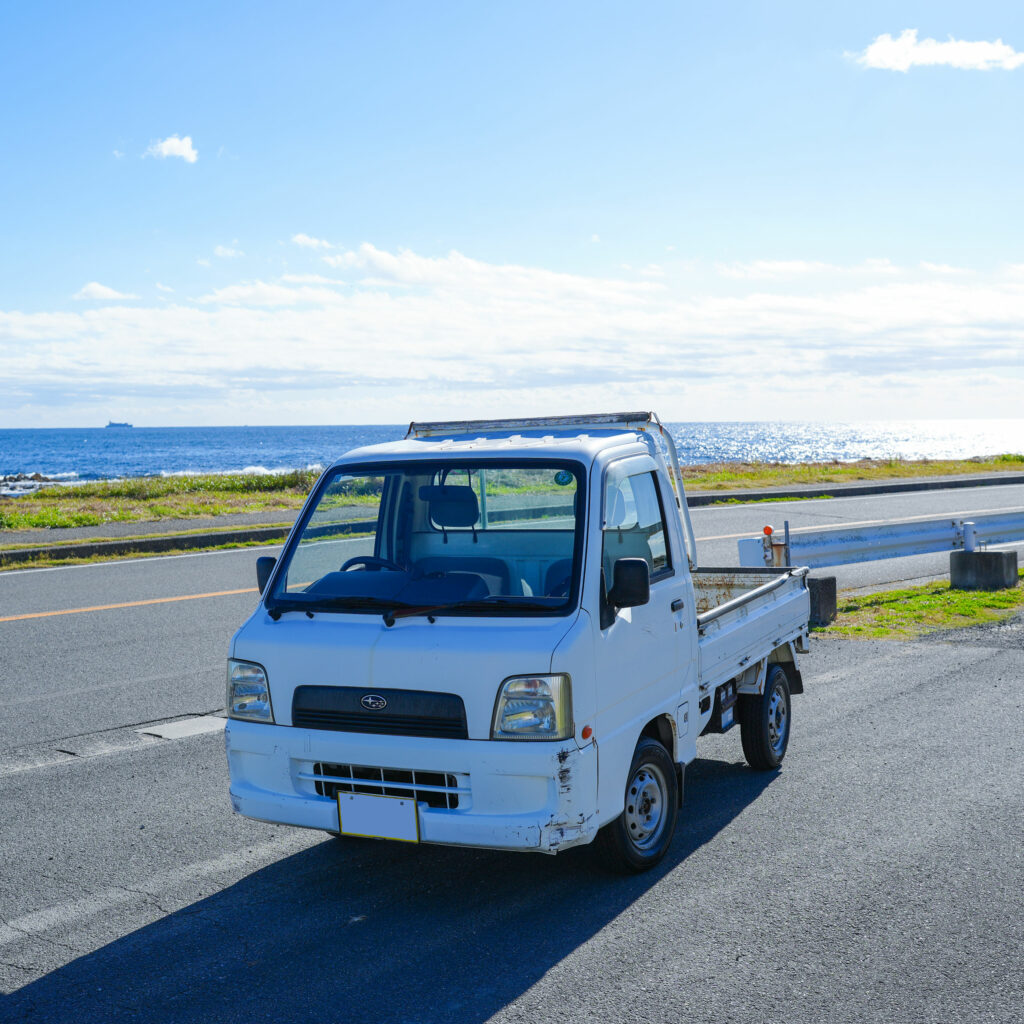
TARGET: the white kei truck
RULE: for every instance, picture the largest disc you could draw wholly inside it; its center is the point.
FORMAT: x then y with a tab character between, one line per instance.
496	634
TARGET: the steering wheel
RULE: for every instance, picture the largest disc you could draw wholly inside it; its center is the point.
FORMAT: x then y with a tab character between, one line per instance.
372	562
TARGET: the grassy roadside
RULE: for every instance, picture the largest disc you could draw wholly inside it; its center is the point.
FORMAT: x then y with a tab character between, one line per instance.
766	501
728	476
917	611
150	499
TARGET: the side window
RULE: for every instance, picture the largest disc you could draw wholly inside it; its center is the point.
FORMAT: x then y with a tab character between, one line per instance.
634	524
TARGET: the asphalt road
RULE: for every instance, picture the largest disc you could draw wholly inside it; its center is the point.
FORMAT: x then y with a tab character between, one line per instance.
878	876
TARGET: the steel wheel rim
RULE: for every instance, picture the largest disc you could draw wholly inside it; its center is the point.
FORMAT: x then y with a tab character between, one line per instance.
778	721
646	809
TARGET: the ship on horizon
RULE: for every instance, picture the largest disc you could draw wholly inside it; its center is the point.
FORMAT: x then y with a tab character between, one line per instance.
113	424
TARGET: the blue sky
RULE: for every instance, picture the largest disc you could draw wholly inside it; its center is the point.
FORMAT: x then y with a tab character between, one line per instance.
386	211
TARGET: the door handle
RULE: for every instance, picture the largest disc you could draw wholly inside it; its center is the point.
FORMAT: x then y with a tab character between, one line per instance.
677	604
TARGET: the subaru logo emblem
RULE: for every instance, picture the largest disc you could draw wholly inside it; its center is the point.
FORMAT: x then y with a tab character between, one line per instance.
373	702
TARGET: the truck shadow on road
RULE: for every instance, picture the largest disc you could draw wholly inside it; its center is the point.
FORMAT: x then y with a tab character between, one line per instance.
378	932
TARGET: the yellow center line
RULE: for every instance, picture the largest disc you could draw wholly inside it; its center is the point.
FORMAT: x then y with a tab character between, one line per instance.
127	604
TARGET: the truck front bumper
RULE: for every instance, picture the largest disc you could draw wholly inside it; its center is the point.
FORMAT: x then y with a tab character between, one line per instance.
499	795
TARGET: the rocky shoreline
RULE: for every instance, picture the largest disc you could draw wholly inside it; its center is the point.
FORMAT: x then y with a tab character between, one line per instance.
19	484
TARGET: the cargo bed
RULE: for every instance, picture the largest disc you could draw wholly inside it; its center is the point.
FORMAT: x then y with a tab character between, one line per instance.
743	615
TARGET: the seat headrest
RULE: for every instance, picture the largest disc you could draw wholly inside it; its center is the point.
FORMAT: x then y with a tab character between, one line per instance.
451	504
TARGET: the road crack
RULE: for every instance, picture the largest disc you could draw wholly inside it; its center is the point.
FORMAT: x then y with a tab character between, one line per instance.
149	897
41	936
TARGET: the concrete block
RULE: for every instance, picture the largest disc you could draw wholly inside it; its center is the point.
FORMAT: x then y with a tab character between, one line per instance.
823	599
983	570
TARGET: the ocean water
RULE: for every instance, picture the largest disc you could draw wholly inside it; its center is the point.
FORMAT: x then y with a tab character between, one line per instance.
106	453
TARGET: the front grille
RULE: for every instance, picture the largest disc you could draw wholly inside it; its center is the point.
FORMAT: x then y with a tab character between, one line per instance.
435	789
406	713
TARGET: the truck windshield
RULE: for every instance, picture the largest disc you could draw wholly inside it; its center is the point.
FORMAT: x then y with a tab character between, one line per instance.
448	538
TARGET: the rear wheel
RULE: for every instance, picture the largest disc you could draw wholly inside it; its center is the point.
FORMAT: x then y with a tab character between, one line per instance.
640	836
765	721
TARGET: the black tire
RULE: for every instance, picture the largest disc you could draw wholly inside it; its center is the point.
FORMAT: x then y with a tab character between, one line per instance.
652	798
765	721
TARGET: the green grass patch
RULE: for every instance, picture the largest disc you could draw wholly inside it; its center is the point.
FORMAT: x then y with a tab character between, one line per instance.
724	476
765	501
917	611
149	499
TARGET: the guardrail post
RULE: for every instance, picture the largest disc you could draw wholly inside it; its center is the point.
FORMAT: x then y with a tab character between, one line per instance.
970	541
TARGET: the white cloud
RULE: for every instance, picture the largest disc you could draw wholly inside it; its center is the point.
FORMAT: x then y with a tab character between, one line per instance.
174	146
268	293
774	270
771	269
202	261
942	268
118	154
95	290
309	242
908	51
595	238
164	287
225	252
877	266
457	274
309	279
410	336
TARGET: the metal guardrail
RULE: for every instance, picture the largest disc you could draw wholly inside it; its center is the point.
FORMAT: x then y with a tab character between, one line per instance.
845	544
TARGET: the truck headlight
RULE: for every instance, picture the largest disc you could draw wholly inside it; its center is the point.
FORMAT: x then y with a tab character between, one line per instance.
248	692
533	708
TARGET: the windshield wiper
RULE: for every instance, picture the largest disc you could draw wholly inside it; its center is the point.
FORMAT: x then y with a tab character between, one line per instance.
330	604
398	611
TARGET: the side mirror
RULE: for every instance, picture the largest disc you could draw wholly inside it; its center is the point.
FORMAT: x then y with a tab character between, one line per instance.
631	585
264	567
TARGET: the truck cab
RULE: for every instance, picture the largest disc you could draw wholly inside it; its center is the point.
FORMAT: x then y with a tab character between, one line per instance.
488	634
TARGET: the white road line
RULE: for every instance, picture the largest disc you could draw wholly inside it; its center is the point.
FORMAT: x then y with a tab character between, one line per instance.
74	912
187	727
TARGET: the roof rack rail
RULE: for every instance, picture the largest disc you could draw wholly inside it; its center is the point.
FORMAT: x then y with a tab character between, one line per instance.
626	420
642	421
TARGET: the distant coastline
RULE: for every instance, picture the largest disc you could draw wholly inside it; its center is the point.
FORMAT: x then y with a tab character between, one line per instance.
113	424
78	455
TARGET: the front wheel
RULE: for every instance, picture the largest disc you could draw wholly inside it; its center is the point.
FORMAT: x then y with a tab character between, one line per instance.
764	722
640	836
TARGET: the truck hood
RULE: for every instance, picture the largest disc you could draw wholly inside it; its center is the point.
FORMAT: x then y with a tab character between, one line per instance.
466	656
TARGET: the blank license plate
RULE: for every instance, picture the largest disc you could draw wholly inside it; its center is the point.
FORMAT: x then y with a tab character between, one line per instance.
378	817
